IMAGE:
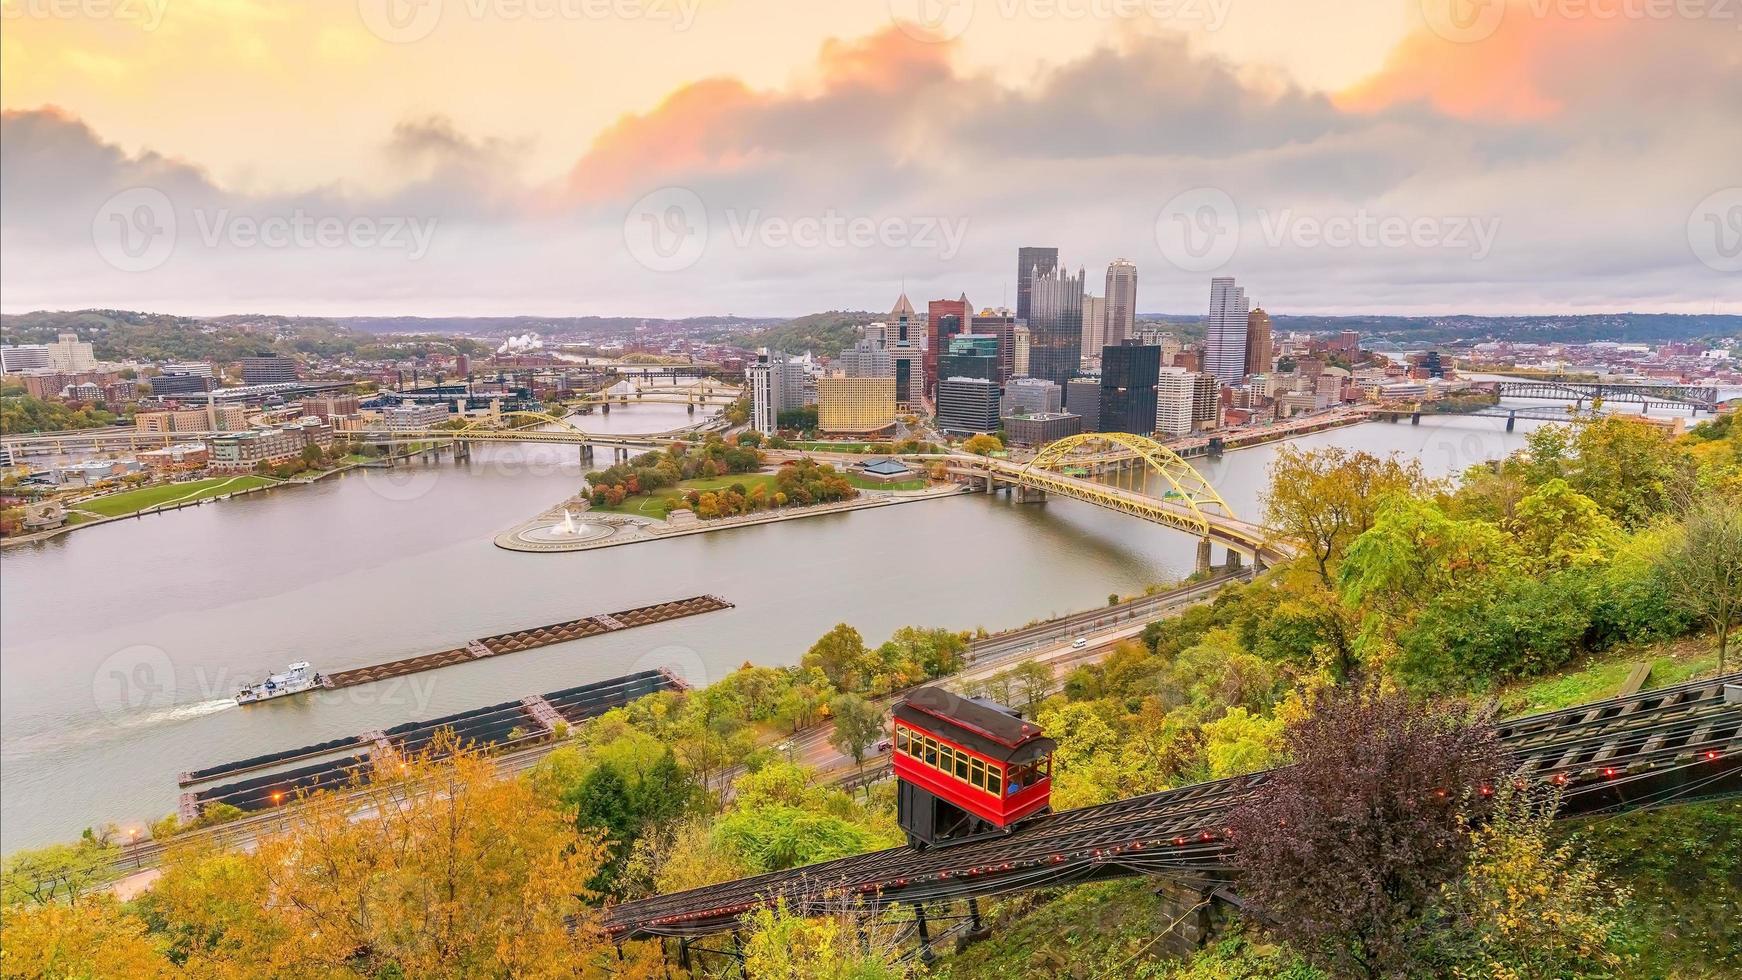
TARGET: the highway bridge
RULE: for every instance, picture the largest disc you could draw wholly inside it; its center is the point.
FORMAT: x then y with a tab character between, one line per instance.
1188	503
1654	748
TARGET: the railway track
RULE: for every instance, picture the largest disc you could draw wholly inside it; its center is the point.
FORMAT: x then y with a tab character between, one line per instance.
1670	744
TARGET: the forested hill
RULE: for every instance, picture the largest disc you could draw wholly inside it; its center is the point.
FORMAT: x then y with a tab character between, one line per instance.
823	333
122	335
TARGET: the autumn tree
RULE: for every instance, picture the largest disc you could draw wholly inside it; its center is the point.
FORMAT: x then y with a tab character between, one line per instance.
1344	848
444	872
1325	498
91	939
841	656
1703	567
983	444
1530	903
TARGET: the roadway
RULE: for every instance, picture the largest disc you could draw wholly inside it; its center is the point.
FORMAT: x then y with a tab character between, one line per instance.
1105	627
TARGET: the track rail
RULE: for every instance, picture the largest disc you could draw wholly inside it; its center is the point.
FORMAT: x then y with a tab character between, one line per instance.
1667	745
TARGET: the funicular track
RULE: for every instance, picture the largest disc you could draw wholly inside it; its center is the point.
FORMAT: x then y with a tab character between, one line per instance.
1673	744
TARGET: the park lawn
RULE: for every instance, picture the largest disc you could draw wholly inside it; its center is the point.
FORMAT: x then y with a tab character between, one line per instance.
645	504
133	501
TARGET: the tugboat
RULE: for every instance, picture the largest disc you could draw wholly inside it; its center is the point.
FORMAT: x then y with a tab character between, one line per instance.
297	678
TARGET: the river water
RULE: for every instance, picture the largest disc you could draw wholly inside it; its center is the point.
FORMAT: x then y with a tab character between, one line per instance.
120	646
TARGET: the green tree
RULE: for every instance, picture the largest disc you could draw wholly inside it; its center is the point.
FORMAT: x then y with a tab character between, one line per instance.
858	724
1326	498
57	873
1703	567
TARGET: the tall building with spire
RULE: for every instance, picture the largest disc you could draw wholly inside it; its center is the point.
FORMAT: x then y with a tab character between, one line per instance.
1225	333
1120	316
1055	326
906	353
1260	349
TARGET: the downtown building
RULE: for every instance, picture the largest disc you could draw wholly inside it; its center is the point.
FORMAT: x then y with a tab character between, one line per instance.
1031	262
1260	348
902	337
1186	402
944	318
1083	399
1055	326
1128	377
1031	396
1000	323
1094	331
777	384
855	406
1225	333
968	390
268	368
1120	300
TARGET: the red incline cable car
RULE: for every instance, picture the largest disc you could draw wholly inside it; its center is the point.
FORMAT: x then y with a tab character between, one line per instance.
967	768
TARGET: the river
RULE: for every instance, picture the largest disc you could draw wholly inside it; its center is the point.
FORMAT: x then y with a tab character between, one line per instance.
121	645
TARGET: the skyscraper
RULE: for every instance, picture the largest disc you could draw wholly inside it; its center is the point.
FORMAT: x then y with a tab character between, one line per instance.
1031	262
1094	326
1121	300
1019	358
763	399
944	318
1128	375
1225	336
1001	323
905	351
1055	326
1259	349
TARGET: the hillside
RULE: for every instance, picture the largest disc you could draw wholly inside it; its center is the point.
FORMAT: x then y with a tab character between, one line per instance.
821	333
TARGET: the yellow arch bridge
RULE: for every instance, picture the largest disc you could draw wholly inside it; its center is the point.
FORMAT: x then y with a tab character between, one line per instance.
1127	466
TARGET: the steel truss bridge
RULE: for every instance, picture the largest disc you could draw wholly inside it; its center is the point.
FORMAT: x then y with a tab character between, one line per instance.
492	429
1671	745
1665	395
1189	504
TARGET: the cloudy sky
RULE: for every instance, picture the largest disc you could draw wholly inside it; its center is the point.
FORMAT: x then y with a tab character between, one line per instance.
769	157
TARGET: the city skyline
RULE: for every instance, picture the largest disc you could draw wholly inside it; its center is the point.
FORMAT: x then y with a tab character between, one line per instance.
1353	162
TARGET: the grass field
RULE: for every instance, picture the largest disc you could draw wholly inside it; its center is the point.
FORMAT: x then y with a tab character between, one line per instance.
1601	676
647	504
133	501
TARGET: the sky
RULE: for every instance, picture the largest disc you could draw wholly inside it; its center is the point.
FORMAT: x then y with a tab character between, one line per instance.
780	157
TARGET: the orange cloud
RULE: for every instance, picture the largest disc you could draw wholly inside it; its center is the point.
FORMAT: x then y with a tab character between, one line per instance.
720	125
1530	67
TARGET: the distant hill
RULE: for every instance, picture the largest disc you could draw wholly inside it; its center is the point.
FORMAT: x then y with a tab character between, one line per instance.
823	333
1406	331
123	335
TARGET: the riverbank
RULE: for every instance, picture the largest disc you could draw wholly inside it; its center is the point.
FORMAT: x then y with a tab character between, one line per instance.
535	536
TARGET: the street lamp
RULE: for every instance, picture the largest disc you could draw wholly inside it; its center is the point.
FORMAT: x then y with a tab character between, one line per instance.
133	844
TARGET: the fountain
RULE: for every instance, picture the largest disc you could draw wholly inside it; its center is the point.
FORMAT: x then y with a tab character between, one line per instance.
567	532
567	528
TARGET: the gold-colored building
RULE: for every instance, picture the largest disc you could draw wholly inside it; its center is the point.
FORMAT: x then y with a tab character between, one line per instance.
855	405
